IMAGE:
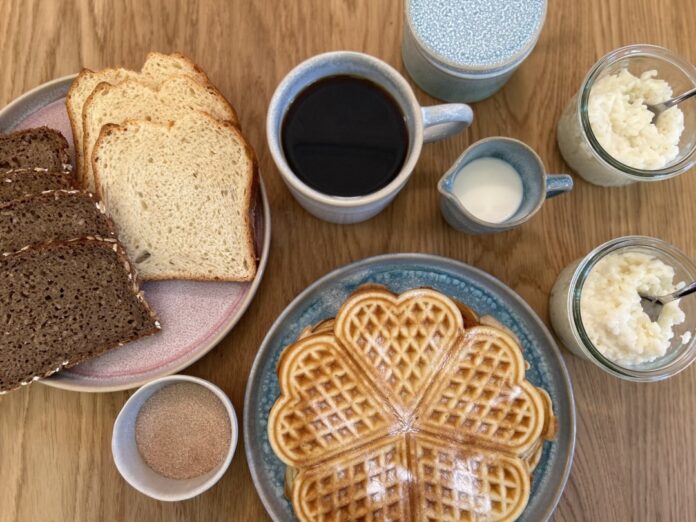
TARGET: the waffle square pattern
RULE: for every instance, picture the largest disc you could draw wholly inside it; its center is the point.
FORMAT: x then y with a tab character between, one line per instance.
395	411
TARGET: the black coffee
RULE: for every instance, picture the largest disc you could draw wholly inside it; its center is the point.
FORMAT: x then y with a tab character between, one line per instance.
345	136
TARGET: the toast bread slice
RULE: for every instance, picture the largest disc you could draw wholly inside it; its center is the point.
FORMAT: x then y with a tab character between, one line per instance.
19	183
181	195
79	299
40	147
172	99
157	68
56	215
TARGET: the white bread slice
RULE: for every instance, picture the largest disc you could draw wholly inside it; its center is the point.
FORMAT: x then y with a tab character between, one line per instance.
181	196
135	100
159	65
157	68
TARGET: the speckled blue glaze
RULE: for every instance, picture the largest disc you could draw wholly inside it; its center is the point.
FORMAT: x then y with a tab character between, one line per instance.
537	186
477	33
400	272
465	50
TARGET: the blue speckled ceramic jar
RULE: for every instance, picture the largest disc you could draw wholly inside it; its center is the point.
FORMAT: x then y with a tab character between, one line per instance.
465	50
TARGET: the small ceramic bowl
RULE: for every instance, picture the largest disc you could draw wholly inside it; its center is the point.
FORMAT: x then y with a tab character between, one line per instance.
134	469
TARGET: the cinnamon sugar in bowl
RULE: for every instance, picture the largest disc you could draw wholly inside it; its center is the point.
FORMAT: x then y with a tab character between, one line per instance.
175	437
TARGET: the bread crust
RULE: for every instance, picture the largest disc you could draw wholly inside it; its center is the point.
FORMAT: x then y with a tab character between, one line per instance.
71	109
205	80
75	113
179	56
104	87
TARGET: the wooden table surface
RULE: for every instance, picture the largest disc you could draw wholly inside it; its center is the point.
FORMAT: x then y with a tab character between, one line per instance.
636	443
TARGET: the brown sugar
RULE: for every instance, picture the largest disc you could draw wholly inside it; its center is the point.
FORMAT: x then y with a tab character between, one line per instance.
183	431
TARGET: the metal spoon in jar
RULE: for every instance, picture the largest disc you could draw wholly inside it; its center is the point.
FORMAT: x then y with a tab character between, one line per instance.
659	108
652	305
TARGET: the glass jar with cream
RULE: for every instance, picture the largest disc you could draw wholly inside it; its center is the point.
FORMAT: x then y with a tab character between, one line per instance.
596	310
607	134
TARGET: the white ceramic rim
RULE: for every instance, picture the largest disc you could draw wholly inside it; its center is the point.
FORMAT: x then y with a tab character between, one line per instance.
224	330
286	172
230	453
31	92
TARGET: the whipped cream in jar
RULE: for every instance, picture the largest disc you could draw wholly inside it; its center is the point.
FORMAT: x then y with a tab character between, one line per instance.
596	312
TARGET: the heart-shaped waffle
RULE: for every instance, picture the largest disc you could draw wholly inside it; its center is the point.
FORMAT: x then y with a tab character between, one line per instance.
454	483
482	396
400	341
371	484
406	408
326	405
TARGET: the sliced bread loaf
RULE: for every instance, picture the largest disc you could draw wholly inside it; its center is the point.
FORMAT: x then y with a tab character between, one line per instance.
157	68
56	215
133	99
161	65
181	196
41	147
63	303
18	183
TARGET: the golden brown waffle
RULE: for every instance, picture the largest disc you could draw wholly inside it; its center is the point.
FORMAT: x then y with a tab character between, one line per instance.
399	341
326	404
405	408
550	428
370	484
482	395
533	455
453	483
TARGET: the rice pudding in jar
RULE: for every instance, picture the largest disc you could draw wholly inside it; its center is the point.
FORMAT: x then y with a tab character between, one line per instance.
596	312
606	133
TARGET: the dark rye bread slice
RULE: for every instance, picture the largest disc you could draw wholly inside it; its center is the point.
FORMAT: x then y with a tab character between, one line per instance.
56	215
41	147
62	303
18	183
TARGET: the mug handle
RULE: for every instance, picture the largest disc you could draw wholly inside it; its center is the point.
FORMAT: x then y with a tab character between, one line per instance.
443	121
558	184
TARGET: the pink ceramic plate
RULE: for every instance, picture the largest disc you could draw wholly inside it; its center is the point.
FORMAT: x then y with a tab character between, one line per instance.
195	316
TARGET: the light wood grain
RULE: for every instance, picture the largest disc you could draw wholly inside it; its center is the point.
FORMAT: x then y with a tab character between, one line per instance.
636	444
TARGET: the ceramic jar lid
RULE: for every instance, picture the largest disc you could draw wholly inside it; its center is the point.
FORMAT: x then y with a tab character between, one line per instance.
476	35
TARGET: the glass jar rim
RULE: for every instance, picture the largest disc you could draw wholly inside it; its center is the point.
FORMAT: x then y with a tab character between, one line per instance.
577	282
630	51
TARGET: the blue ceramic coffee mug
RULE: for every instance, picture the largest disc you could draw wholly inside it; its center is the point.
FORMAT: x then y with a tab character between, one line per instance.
424	125
536	185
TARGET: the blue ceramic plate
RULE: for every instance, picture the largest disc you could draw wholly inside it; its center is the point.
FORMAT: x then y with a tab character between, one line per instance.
401	272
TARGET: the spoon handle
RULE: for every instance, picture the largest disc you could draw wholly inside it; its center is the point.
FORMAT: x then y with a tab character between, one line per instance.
679	99
688	289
